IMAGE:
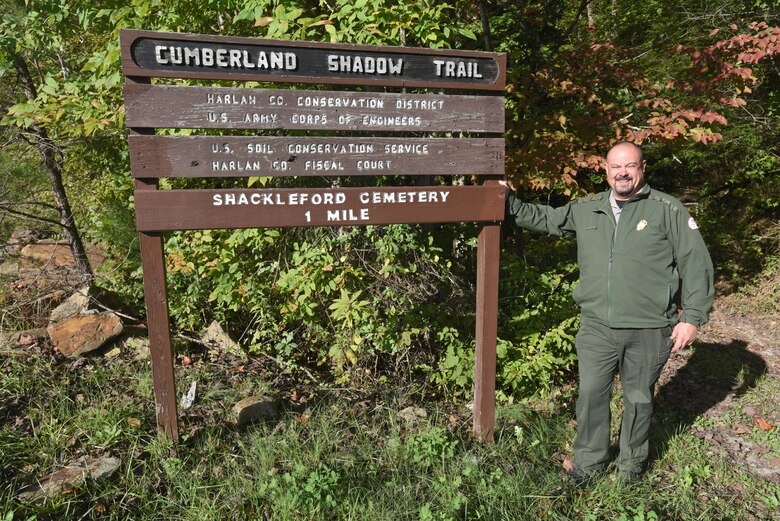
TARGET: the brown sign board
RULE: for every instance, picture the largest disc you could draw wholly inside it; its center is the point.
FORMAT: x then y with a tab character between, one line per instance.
241	156
180	55
242	108
147	54
172	210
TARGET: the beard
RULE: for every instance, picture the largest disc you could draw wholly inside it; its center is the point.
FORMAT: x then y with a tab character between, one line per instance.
626	189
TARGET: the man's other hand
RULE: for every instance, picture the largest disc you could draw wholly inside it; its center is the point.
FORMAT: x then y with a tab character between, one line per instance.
683	335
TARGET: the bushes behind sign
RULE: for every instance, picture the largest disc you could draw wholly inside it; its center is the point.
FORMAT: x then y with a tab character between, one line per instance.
390	303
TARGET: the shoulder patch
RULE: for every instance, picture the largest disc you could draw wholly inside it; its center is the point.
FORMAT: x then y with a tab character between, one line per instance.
692	224
665	201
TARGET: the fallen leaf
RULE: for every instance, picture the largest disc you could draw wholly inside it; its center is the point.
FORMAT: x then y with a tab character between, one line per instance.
763	424
568	465
134	422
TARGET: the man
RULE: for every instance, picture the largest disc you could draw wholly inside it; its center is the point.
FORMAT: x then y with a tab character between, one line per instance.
638	251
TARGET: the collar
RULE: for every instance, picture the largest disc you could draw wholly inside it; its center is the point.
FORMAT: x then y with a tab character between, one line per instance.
608	198
643	192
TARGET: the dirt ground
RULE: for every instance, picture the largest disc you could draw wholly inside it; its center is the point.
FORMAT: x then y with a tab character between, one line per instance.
714	379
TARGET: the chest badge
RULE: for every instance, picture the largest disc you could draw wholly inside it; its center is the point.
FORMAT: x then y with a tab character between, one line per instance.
641	225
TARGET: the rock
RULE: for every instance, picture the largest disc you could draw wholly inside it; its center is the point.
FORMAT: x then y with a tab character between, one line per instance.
255	408
113	353
188	398
412	414
10	268
76	304
28	235
219	341
72	477
54	255
84	333
57	254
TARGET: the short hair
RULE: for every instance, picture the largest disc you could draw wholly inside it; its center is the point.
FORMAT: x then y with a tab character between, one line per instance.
634	145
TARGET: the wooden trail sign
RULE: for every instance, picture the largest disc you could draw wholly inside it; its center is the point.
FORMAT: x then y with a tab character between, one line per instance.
412	151
170	55
239	156
215	107
169	210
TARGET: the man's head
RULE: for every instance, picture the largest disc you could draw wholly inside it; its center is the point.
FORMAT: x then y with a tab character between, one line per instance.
625	170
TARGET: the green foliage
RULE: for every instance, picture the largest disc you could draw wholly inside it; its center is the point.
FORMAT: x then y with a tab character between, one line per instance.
431	447
301	489
538	316
638	513
378	22
344	297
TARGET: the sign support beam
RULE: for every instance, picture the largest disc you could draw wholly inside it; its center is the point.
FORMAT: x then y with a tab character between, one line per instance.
488	252
157	316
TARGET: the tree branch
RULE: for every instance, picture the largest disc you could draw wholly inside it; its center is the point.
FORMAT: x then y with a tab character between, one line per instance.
28	216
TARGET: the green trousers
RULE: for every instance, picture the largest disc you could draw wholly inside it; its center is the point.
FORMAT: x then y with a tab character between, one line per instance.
638	355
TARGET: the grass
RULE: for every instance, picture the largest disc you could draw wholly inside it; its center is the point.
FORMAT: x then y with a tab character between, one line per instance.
337	457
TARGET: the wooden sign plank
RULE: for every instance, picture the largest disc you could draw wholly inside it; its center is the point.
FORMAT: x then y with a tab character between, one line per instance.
240	156
242	108
181	55
170	210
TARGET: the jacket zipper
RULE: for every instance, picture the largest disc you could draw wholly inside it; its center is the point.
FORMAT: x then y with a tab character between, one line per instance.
609	267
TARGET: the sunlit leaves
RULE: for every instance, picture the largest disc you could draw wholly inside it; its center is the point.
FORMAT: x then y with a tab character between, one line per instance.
569	111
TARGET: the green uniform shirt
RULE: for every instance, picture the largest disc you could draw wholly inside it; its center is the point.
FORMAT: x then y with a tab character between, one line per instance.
630	274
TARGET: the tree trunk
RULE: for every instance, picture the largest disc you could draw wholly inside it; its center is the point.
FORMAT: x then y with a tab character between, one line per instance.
52	163
485	25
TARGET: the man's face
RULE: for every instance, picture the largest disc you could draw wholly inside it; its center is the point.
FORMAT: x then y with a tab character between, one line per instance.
625	171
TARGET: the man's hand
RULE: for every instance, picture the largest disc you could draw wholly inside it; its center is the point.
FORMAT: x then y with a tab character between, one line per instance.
683	335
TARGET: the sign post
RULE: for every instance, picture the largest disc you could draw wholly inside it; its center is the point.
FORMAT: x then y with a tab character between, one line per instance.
147	54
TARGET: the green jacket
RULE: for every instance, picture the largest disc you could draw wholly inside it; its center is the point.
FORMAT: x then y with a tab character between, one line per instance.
632	276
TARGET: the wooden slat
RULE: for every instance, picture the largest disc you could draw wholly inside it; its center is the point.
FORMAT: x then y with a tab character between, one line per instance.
243	108
167	210
239	156
180	55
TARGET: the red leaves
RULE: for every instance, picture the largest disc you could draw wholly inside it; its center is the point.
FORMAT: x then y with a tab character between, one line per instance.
763	424
713	117
570	111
